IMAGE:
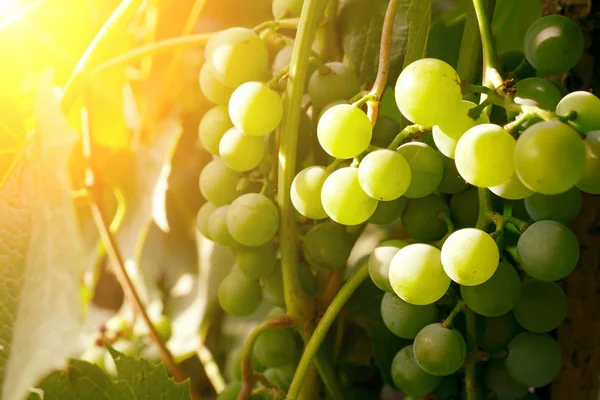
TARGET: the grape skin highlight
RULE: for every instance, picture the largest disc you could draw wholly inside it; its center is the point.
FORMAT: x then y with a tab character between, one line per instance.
255	109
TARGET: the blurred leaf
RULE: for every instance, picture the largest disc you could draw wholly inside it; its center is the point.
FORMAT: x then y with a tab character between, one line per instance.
510	22
136	379
418	20
43	257
446	33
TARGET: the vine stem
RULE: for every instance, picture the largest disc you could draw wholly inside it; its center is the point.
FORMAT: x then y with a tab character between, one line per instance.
323	327
484	218
470	383
490	72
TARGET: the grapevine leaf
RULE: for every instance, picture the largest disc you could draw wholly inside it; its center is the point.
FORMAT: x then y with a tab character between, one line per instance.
418	20
446	33
510	22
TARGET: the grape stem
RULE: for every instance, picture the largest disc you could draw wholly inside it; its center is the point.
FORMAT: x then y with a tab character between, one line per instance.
471	331
274	81
283	321
287	23
323	327
445	217
458	308
491	77
410	130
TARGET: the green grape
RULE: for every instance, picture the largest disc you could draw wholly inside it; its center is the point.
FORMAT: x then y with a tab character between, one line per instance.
542	307
563	208
420	218
344	200
417	275
384	131
237	55
388	211
589	181
286	8
253	219
497	296
281	376
548	251
587	109
384	174
335	82
256	262
344	131
452	182
275	347
272	288
470	256
495	332
549	157
218	184
327	246
255	109
484	155
537	92
306	192
428	92
379	263
512	61
499	381
217	227
445	144
409	377
426	167
213	126
512	189
202	218
534	359
440	351
241	152
239	295
553	44
460	122
406	320
464	208
212	88
231	391
308	280
283	59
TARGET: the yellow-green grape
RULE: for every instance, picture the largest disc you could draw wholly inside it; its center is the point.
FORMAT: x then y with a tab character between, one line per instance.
255	109
335	81
406	320
589	181
256	262
275	347
388	211
384	174
460	122
421	219
379	263
202	218
485	155
409	377
213	126
470	256
586	107
550	157
344	131
344	200
217	227
286	8
218	184
417	275
512	189
237	55
428	92
284	58
426	167
445	144
327	246
253	219
452	182
563	208
212	88
239	295
241	152
272	288
306	192
439	350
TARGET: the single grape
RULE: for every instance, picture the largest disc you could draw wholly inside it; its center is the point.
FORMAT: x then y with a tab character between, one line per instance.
512	189
202	218
497	296
384	174
308	280
409	377
444	143
549	157
494	333
212	88
327	246
589	181
542	307
237	55
553	44
384	131
253	219
470	256
534	359
272	288
282	375
562	207
452	182
275	347
213	126
417	275
460	122
548	250
344	200
464	208
428	92
379	263
388	211
344	131
239	295
306	192
586	107
538	92
406	320
256	262
499	381
286	8
426	167
335	81
484	155
440	351
241	152
217	227
421	218
218	184
255	109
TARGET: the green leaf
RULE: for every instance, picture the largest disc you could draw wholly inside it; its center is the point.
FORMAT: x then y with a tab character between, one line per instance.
42	255
446	34
136	379
510	22
418	20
